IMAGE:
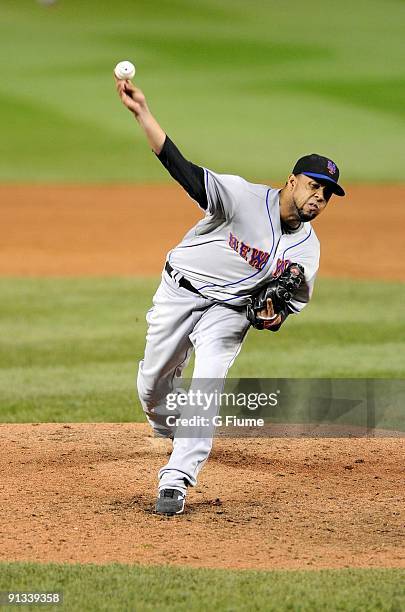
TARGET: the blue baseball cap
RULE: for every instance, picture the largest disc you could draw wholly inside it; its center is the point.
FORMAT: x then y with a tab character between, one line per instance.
321	168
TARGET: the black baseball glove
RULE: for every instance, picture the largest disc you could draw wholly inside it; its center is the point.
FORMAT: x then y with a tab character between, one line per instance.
281	291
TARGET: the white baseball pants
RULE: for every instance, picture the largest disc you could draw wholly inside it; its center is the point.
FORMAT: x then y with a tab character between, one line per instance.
179	322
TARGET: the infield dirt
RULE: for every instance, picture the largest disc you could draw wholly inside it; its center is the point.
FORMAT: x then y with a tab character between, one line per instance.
127	230
85	492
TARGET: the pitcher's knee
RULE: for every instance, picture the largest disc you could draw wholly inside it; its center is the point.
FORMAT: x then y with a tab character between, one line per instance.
145	388
152	390
147	394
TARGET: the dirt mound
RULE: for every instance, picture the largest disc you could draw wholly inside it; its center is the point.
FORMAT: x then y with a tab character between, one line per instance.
85	493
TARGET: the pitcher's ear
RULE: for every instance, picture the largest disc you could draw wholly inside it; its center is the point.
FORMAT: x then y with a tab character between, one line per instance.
291	181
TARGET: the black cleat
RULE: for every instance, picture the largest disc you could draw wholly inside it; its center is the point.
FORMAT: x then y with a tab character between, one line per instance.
170	502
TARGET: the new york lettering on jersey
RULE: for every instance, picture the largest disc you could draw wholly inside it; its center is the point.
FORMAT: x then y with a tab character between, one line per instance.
236	247
255	257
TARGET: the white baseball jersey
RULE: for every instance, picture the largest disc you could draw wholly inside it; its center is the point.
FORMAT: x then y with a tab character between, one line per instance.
240	244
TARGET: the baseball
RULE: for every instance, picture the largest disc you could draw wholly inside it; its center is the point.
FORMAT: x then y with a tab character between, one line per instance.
124	70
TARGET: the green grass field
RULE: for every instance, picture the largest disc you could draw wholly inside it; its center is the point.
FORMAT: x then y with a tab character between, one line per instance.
69	347
244	87
120	588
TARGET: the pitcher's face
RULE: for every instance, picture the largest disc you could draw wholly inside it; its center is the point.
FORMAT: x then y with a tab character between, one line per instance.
310	197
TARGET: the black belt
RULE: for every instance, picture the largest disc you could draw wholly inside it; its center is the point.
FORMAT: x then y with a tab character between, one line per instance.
182	282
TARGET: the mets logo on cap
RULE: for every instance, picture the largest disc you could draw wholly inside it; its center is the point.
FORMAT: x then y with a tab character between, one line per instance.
331	167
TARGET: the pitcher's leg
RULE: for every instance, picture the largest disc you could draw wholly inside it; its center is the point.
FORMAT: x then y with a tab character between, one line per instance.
217	339
168	348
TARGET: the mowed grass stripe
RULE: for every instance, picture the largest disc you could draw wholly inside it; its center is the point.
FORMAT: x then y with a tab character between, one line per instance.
123	588
69	348
301	88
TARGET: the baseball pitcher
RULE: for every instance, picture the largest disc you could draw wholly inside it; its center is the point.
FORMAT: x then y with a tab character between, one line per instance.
250	261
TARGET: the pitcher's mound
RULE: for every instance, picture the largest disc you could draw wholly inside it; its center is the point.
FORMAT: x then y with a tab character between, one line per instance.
86	493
